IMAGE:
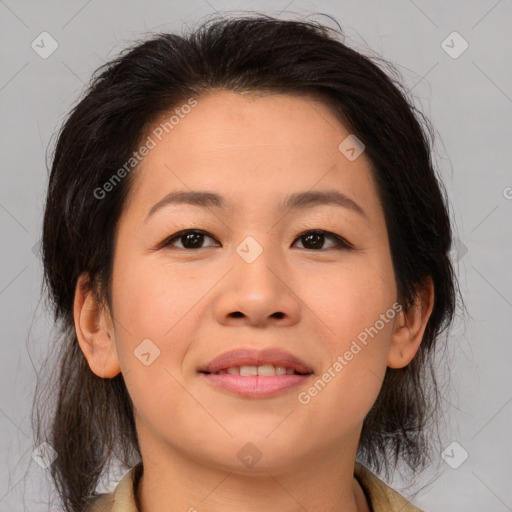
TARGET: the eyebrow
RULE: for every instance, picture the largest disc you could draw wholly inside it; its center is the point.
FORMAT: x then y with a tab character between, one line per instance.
296	201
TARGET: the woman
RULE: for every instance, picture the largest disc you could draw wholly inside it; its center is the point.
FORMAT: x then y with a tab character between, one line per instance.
247	247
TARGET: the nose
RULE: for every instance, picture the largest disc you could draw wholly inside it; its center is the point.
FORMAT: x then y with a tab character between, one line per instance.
257	294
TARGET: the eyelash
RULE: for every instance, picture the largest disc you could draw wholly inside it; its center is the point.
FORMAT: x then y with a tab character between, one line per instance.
341	243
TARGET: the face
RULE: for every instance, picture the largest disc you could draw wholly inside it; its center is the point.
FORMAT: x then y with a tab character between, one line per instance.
245	272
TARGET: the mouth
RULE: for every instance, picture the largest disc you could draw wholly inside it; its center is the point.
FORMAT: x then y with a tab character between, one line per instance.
256	374
264	370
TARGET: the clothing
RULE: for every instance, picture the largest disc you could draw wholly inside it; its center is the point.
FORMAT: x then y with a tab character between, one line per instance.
381	498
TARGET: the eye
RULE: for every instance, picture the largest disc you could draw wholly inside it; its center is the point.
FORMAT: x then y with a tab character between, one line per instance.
311	240
190	239
315	239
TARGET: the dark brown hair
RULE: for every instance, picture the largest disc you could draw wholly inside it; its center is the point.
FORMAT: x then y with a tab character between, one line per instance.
92	418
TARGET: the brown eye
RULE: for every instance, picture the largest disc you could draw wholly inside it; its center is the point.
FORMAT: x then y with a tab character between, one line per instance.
315	240
189	239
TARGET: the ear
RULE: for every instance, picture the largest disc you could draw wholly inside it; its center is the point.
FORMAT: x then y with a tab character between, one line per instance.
410	326
94	330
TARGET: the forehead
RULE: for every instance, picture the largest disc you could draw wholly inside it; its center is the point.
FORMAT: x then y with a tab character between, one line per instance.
260	144
223	120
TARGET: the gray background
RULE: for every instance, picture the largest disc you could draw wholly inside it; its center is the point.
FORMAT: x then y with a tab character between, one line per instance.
469	101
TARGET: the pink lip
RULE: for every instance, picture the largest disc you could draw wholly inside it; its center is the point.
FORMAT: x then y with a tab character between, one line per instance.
252	357
255	386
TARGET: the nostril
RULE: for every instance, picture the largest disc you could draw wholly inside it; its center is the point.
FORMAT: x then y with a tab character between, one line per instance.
237	314
278	315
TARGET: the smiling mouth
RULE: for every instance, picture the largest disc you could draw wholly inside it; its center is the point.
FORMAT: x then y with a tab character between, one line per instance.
256	382
266	370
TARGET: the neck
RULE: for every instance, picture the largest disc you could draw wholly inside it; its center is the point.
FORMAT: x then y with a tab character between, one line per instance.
173	482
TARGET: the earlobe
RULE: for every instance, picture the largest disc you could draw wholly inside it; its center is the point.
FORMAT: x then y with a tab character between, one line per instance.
94	330
410	327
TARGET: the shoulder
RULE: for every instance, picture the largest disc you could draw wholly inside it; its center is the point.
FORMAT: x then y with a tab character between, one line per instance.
122	498
380	495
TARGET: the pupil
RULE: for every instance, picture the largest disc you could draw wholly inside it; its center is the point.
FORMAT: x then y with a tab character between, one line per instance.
315	240
194	242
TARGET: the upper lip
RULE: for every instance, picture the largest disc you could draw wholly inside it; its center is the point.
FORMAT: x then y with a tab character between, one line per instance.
252	357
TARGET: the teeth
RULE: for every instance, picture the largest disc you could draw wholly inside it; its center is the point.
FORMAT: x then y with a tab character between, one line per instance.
265	370
247	371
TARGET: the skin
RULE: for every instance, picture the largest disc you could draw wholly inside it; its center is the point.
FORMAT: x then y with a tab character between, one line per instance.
254	150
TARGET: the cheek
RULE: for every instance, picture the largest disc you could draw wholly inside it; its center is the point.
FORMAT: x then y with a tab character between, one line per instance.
154	313
353	299
151	299
153	308
356	307
351	377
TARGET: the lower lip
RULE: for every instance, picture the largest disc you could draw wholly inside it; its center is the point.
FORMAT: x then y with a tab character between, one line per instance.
255	386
